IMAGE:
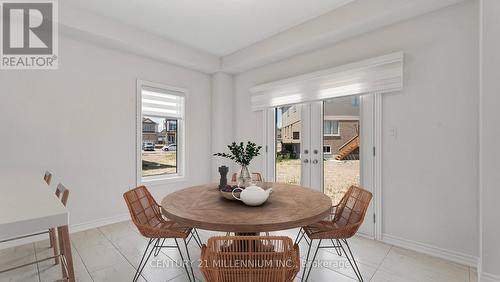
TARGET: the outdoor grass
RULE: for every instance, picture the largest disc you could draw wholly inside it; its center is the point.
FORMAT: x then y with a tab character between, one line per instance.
159	162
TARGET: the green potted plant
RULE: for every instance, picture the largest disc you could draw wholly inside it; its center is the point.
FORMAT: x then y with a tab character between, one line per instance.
242	154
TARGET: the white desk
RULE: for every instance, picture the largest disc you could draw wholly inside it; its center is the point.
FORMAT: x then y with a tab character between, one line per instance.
28	205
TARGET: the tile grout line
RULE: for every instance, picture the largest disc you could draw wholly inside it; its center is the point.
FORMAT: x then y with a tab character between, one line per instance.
381	262
136	231
374	265
83	262
345	275
425	268
171	258
37	268
118	250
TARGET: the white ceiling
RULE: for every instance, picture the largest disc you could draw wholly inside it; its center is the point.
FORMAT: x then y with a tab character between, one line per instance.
220	27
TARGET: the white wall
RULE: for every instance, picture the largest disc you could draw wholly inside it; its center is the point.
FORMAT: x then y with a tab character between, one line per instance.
490	139
430	170
80	122
222	120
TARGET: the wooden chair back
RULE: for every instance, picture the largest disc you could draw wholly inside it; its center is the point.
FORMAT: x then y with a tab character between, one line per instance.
250	258
256	177
47	177
352	208
62	193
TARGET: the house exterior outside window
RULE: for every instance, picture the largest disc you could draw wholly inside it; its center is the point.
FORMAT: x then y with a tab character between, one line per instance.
160	120
340	125
331	127
149	131
171	131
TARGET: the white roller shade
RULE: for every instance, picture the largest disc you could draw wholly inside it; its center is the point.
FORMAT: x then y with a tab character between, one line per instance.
381	74
162	103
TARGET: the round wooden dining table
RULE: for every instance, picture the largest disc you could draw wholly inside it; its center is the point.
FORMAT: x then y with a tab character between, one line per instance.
289	206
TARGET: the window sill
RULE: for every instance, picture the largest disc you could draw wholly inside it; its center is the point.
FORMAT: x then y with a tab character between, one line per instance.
334	135
158	180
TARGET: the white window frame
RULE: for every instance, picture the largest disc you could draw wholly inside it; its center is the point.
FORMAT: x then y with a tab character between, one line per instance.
330	149
181	174
338	127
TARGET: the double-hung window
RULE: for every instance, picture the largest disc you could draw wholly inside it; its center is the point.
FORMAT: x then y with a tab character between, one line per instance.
331	128
160	132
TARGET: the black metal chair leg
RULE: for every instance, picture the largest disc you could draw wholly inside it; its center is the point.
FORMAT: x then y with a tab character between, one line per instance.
144	260
197	238
189	260
297	241
314	259
307	261
337	249
354	265
302	234
182	258
158	246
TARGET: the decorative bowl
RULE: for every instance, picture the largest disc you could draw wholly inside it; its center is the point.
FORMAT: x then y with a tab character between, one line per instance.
229	195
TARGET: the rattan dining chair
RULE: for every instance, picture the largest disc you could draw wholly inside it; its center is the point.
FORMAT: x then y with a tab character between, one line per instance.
343	222
256	177
250	259
146	215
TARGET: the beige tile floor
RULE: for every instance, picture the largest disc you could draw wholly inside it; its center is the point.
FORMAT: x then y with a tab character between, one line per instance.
111	253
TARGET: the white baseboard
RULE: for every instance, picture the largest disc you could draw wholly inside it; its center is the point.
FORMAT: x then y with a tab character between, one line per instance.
365	236
450	255
98	223
488	277
73	228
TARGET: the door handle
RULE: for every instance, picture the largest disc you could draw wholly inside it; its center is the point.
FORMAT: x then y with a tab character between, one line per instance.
305	161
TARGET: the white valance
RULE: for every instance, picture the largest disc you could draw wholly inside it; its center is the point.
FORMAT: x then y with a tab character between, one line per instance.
380	74
162	103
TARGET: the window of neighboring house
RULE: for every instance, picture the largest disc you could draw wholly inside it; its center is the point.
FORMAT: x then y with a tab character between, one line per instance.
296	135
331	127
171	125
162	109
327	149
148	128
171	139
